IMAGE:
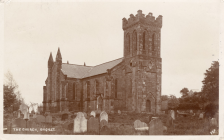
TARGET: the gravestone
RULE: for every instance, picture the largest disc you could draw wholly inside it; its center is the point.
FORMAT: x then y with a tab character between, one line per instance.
103	116
191	111
103	123
80	123
213	122
85	115
93	125
156	127
26	115
201	116
105	130
172	114
169	121
138	125
19	123
119	112
93	113
18	114
64	116
34	115
49	119
40	119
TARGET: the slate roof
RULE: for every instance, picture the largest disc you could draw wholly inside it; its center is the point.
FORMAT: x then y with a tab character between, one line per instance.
80	71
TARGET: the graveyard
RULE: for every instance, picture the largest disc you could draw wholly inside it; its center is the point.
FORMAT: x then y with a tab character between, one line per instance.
116	123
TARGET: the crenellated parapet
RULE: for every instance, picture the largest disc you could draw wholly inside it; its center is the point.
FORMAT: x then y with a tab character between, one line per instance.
141	18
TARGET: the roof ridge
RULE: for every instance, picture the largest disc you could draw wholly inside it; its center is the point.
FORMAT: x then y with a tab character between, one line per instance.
77	65
99	65
108	61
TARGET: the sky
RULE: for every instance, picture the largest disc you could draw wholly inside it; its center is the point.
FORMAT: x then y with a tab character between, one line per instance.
91	32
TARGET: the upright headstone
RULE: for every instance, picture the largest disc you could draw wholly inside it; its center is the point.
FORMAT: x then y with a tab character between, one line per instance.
80	123
172	113
83	126
103	116
201	116
191	111
156	127
93	125
119	112
93	113
138	125
213	122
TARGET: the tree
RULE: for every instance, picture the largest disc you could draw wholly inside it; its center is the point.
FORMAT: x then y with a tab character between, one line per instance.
12	96
184	92
164	97
210	88
9	98
173	102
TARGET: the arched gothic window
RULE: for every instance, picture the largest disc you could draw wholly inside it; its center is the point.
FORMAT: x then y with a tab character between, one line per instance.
97	87
143	40
153	42
115	84
134	39
128	44
88	89
74	90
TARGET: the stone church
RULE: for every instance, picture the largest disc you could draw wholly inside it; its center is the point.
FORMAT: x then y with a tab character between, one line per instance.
130	83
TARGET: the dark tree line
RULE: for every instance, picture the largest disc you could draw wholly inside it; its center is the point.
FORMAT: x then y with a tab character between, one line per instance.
207	99
12	97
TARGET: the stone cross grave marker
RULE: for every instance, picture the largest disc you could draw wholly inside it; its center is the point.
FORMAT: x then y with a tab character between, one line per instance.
138	125
93	125
80	123
105	130
201	116
156	127
103	123
64	116
93	113
103	116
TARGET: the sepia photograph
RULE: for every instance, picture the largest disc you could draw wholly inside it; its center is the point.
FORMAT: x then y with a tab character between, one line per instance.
147	68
